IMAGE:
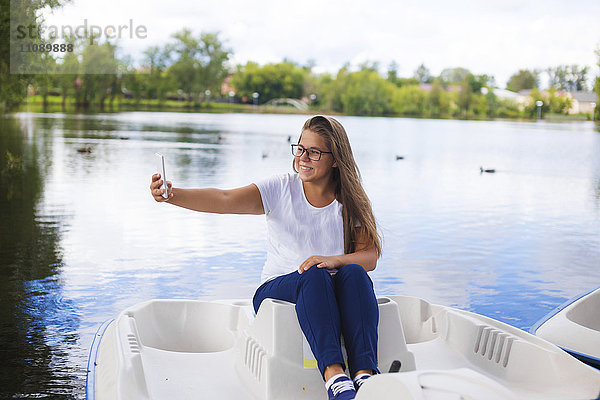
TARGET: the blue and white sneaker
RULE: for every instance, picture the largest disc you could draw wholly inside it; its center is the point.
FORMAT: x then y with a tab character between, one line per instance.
360	379
340	387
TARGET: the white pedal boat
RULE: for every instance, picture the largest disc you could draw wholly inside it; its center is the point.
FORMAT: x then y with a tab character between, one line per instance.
188	349
575	326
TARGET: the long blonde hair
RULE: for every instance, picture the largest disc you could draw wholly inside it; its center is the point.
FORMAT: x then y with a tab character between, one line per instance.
357	213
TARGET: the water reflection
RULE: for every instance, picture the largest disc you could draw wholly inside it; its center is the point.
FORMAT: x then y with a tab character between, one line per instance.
38	327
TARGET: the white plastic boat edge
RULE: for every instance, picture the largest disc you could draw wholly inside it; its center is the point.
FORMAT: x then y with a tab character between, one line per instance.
174	349
565	327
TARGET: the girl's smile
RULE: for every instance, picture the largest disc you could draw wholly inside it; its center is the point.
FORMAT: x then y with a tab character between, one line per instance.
314	171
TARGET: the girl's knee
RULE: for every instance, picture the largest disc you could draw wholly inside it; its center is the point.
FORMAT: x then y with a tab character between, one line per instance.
353	273
314	272
256	302
352	270
315	277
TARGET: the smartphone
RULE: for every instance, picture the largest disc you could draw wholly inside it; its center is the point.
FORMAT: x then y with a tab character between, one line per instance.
163	175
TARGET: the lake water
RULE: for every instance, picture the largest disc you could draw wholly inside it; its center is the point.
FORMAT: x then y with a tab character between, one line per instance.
81	238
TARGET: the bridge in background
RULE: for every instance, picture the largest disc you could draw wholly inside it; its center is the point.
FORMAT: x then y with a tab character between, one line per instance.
296	103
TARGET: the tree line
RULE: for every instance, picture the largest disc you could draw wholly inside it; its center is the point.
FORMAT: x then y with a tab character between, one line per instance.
93	76
192	68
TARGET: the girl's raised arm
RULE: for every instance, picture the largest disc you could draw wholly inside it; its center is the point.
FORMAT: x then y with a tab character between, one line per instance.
243	200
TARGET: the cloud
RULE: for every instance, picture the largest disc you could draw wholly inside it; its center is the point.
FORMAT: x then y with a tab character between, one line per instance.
496	37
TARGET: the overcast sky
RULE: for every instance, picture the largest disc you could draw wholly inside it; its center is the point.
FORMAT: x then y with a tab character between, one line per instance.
494	37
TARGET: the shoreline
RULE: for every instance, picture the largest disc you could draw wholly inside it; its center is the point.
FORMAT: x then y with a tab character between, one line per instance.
226	108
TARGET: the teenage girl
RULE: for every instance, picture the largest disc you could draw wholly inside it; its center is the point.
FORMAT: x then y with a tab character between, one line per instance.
322	240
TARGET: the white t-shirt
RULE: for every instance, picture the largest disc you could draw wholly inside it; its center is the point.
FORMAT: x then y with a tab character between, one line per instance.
296	229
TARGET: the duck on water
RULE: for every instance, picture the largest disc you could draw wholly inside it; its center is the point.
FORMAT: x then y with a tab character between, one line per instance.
489	171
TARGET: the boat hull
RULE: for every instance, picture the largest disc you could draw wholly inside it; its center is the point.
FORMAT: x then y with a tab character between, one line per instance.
179	349
575	327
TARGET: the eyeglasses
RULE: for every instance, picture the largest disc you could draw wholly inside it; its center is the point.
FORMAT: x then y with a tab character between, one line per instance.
313	154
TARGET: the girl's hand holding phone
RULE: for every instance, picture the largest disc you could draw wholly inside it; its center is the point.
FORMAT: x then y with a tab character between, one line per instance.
157	190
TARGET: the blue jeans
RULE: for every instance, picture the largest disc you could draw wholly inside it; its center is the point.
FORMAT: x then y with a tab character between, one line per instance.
329	306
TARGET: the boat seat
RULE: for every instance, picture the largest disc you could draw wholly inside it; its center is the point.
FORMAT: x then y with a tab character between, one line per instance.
271	356
459	383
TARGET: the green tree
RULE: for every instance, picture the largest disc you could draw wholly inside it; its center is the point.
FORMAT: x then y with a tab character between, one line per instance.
271	81
597	87
409	100
453	75
507	108
155	61
557	77
44	83
199	62
367	93
392	76
435	97
13	87
578	77
213	56
392	72
150	80
99	69
553	102
134	82
422	74
465	96
559	103
524	79
311	83
568	77
68	72
185	70
369	66
438	100
400	82
493	103
531	106
477	82
248	79
331	89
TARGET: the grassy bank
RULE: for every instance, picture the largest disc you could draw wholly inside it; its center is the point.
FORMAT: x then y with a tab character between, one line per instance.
54	104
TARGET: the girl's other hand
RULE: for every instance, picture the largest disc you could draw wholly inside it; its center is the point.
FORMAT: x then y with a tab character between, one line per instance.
158	193
328	262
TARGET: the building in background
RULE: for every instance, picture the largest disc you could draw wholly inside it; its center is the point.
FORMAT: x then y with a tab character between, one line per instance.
583	102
